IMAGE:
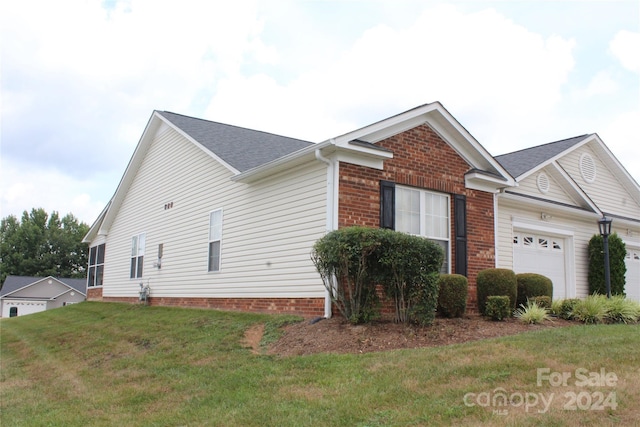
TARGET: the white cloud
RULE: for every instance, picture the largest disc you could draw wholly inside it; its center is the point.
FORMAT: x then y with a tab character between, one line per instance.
625	46
81	78
24	189
601	84
464	60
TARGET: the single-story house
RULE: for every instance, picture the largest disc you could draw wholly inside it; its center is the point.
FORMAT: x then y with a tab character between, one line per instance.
22	295
214	215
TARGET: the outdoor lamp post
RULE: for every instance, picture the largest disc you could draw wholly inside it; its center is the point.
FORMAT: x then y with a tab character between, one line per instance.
604	224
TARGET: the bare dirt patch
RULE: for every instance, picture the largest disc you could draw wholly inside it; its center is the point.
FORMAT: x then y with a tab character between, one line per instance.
253	336
336	335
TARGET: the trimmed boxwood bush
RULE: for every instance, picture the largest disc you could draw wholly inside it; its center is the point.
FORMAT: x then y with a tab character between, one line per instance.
498	307
343	258
452	295
532	285
407	267
496	281
353	260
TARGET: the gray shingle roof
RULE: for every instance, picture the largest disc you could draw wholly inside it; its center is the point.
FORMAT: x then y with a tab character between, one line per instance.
13	283
521	161
241	148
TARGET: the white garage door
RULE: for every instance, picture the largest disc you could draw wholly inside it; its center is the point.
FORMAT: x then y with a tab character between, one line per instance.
632	279
537	253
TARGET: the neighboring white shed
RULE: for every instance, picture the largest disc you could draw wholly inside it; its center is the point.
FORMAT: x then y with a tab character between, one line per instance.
22	295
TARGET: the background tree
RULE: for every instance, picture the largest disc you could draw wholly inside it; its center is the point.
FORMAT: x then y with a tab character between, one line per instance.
42	245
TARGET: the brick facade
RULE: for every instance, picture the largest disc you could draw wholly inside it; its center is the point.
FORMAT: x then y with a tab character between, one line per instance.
94	294
306	307
423	160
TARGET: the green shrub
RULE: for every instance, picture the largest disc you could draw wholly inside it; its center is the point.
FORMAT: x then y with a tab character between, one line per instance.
566	307
543	301
496	282
353	260
498	307
622	310
407	267
617	265
343	258
532	313
591	310
452	295
532	285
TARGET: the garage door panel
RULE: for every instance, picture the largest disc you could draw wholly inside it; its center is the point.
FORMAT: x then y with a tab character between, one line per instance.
632	278
541	254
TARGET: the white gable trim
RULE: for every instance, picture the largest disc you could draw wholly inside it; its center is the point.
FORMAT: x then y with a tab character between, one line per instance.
444	124
574	189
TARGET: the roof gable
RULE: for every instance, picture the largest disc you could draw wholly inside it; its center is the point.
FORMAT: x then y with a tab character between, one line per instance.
238	149
485	173
518	163
561	158
14	284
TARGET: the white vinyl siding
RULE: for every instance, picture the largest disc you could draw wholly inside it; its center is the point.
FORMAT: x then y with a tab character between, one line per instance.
606	191
529	186
269	226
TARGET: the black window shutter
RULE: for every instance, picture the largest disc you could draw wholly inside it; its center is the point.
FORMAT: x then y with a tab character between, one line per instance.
388	204
460	223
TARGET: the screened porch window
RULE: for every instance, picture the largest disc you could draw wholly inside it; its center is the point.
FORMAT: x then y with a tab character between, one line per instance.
96	265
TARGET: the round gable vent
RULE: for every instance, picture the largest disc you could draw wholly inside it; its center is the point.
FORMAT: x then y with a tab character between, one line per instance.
587	168
543	182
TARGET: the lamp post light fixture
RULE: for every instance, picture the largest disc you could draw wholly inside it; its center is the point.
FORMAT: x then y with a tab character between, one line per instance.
604	224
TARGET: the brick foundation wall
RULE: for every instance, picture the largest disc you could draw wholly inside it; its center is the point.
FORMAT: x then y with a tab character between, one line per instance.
306	307
423	160
94	294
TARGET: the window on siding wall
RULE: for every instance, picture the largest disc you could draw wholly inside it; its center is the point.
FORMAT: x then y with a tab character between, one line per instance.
137	255
96	265
425	213
215	239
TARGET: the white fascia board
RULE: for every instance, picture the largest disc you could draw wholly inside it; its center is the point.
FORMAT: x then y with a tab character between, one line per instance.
483	182
538	204
280	164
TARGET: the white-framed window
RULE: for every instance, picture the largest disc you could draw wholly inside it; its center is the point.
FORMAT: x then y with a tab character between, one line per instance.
96	265
215	239
137	255
427	214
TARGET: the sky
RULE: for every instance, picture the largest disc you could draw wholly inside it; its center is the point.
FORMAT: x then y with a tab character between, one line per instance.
79	79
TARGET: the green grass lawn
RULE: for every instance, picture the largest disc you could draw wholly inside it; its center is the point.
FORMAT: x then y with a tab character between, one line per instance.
113	364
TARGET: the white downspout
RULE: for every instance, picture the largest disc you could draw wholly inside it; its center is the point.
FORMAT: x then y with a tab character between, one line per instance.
330	223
